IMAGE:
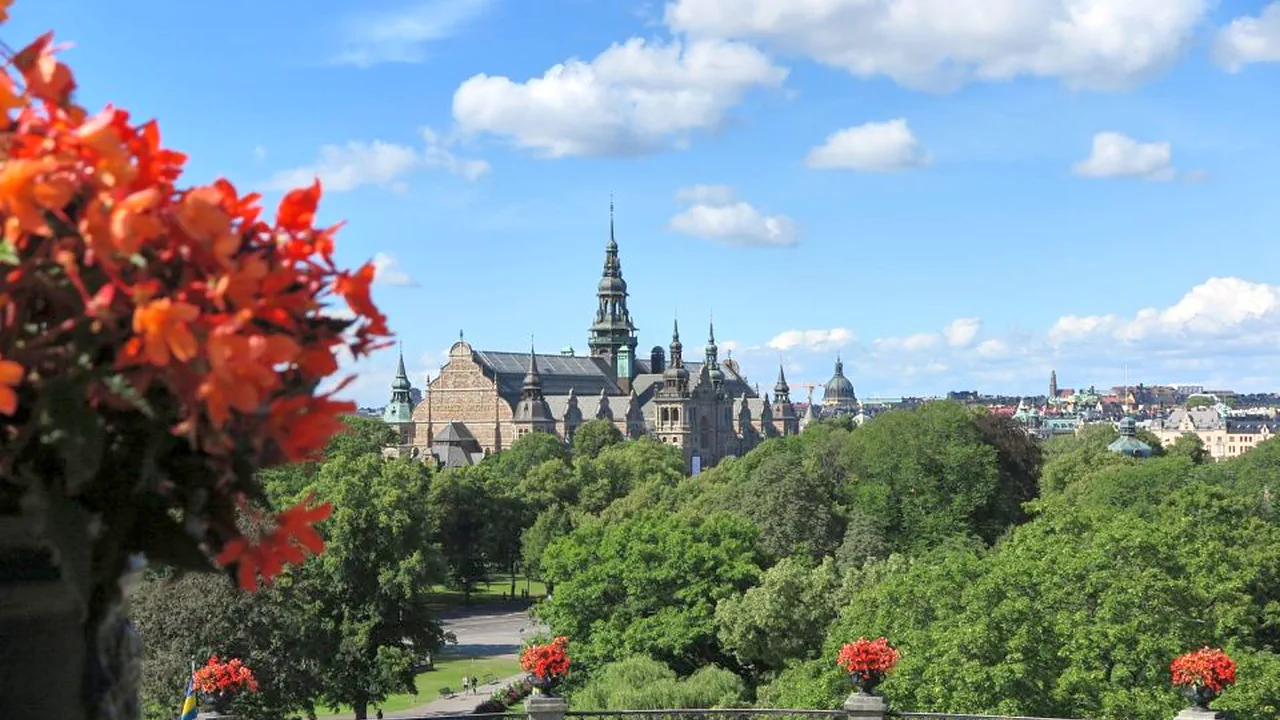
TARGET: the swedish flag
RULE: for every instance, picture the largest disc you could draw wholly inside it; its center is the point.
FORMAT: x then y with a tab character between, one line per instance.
189	703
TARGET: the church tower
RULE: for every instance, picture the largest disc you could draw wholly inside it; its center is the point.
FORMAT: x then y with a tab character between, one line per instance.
612	335
1053	385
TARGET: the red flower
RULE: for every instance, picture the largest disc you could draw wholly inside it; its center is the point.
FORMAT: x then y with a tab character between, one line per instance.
546	661
1210	668
867	657
217	677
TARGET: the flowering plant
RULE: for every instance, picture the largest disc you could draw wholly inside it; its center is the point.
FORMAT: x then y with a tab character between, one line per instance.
1207	668
867	659
546	662
217	677
159	344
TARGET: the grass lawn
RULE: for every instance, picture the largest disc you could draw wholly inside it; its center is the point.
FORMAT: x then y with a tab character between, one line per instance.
488	593
448	673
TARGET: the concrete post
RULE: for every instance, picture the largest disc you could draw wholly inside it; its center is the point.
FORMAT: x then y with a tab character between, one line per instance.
862	706
1194	713
545	707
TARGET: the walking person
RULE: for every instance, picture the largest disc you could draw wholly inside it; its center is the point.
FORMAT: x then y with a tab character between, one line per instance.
475	686
466	685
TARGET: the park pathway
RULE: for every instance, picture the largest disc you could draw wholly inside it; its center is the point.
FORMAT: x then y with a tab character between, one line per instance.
481	634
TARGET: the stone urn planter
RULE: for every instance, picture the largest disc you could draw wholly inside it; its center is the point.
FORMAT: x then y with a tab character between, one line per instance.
1199	696
866	682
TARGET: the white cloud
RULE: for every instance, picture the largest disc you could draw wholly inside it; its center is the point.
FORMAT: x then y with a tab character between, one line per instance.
402	36
717	215
812	340
992	348
387	271
437	155
909	344
706	194
941	44
961	331
1223	308
872	147
346	167
1116	155
1224	332
259	154
730	345
1249	40
635	97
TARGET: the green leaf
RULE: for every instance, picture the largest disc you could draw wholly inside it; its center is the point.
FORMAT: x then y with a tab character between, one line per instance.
8	254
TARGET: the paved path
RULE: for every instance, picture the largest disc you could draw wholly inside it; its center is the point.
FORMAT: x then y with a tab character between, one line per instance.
481	634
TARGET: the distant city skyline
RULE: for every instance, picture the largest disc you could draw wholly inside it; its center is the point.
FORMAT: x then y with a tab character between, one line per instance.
951	202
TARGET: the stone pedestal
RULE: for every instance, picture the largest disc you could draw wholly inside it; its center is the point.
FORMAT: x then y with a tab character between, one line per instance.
545	707
861	706
1193	713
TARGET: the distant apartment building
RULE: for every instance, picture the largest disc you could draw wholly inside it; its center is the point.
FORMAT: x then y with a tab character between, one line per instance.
1224	435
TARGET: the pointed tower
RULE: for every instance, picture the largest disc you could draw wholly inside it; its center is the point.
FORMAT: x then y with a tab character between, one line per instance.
784	413
400	408
671	403
1053	385
612	335
532	412
712	361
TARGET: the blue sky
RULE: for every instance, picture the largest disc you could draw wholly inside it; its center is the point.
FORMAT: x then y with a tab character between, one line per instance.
953	194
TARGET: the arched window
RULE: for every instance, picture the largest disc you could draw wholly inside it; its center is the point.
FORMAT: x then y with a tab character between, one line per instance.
675	414
666	415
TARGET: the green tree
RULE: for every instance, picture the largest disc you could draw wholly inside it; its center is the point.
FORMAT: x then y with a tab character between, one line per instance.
343	628
552	524
647	585
783	618
1189	445
863	540
642	683
1198	401
593	436
928	474
458	509
619	469
372	585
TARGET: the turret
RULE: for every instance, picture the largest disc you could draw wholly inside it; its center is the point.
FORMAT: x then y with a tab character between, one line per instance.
532	412
400	407
612	329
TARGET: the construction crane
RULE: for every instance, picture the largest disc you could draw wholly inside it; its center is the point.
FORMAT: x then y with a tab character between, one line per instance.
809	389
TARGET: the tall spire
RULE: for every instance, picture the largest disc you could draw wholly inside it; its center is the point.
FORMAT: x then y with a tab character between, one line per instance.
612	328
400	408
712	361
532	381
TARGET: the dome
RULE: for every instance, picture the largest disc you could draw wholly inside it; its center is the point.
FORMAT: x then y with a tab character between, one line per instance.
612	285
838	390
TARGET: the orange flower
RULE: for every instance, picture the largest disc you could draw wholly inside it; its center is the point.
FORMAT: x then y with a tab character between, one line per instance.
11	374
304	425
242	370
355	288
298	209
164	326
132	221
278	547
46	78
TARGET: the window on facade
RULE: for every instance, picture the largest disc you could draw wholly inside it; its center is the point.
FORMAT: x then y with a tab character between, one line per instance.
675	414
